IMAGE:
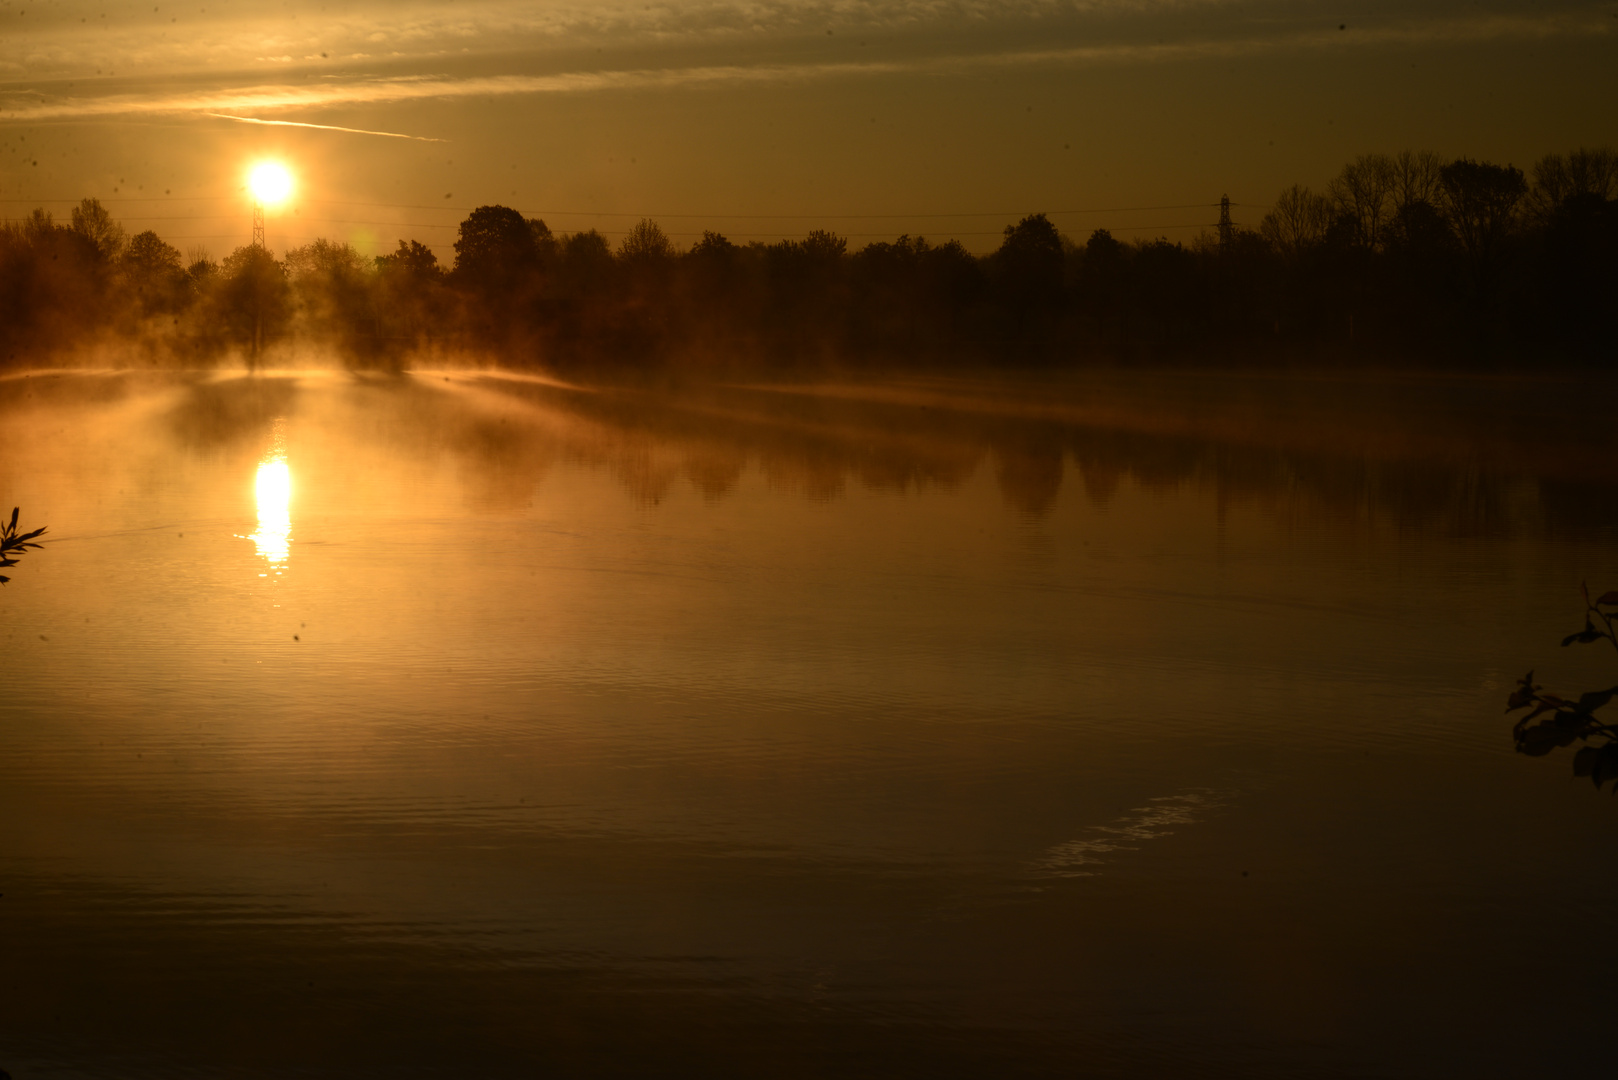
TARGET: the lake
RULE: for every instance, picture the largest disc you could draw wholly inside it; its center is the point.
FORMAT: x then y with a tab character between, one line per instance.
1117	724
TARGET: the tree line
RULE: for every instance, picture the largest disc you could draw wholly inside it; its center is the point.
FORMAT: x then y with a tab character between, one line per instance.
1401	258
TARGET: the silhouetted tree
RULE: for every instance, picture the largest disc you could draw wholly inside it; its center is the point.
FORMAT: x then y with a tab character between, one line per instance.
1408	252
1029	268
646	258
332	290
890	293
153	272
954	280
1297	223
201	272
1578	276
587	262
713	266
1169	291
91	221
719	295
1423	273
714	262
1361	195
411	308
808	297
713	245
55	286
498	269
1104	293
1417	178
495	250
645	243
1558	178
413	258
253	300
1480	201
545	245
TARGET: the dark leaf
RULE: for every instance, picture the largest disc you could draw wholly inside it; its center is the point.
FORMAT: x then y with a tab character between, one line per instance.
1589	703
1571	721
1524	694
1542	738
1608	598
13	526
1605	764
1584	762
1585	636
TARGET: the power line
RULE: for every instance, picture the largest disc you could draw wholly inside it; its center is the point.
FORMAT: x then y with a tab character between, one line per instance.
669	232
799	217
299	220
850	235
638	214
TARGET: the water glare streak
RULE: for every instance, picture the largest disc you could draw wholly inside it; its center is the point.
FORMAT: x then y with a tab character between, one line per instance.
273	492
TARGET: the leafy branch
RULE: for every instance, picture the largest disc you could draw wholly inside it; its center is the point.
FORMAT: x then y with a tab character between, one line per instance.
13	544
1573	720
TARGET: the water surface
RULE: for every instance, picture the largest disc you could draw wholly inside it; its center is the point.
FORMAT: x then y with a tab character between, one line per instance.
1125	725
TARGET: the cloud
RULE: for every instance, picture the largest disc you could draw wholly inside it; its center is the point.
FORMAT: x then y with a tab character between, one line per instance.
33	106
132	44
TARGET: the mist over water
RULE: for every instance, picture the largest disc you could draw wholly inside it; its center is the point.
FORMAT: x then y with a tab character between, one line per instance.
482	724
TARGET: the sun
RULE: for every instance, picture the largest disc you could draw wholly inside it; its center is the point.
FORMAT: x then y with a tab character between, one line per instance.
269	182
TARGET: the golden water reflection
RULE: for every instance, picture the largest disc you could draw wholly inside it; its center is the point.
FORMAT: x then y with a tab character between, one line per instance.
273	489
765	727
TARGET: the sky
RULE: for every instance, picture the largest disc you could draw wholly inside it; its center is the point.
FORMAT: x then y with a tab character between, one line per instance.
764	119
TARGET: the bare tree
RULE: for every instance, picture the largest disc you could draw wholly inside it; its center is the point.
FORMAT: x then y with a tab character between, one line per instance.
1298	221
1361	193
1480	201
324	259
645	242
1583	172
1416	179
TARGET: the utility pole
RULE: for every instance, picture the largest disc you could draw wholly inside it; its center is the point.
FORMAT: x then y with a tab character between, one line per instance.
1226	230
258	224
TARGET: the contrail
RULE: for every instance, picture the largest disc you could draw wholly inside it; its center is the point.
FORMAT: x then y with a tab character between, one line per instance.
319	127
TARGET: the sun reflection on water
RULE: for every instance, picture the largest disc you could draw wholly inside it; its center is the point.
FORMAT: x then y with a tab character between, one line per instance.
273	489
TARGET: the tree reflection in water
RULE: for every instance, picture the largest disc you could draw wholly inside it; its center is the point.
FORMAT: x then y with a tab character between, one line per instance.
1571	719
